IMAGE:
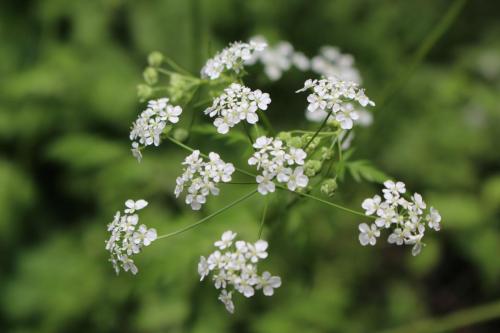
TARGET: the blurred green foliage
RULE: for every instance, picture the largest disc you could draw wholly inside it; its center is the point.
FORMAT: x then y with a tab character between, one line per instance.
67	98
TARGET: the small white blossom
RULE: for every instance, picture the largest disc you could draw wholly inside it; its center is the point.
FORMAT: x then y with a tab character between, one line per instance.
368	234
406	218
231	58
331	62
278	58
233	267
150	124
276	160
126	239
336	96
201	177
237	103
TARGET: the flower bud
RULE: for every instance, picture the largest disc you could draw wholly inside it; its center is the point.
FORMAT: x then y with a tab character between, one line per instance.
312	167
294	142
326	153
284	136
332	123
180	134
329	186
150	75
144	92
155	59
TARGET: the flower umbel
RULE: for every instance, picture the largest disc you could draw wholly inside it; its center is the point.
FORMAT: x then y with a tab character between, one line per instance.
150	124
127	238
237	103
277	161
233	267
406	218
201	177
230	58
336	96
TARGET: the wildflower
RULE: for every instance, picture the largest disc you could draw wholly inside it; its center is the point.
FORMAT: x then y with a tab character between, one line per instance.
231	58
126	238
237	103
200	177
335	96
151	123
278	58
276	161
331	62
234	269
406	217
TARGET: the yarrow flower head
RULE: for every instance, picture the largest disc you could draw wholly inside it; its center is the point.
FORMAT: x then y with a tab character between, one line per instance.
278	162
201	177
278	58
336	97
233	268
128	237
231	58
237	103
151	123
406	218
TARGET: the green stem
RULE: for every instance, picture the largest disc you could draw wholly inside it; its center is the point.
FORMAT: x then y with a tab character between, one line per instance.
264	213
266	122
422	51
178	68
180	144
325	202
205	219
318	130
247	132
453	321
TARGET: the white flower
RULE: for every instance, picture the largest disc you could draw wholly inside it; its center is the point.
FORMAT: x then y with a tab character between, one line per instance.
331	62
368	234
226	299
278	58
336	96
203	269
237	103
233	267
268	283
371	205
434	219
126	239
297	179
231	58
276	161
201	177
150	124
226	240
406	218
132	205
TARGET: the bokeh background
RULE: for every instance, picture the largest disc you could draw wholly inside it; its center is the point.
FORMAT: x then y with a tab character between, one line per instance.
68	73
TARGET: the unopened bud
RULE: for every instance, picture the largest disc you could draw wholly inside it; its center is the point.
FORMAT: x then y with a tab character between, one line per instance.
150	75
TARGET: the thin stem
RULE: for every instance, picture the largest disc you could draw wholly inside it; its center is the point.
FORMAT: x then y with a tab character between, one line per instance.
263	219
206	218
325	202
178	68
453	321
318	130
266	122
424	48
247	132
180	144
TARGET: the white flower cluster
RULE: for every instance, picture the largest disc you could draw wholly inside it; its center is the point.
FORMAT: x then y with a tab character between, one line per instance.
278	59
237	103
276	160
336	96
234	268
331	62
126	238
231	58
149	126
407	219
201	177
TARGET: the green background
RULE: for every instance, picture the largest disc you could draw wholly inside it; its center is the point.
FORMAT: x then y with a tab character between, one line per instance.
68	71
